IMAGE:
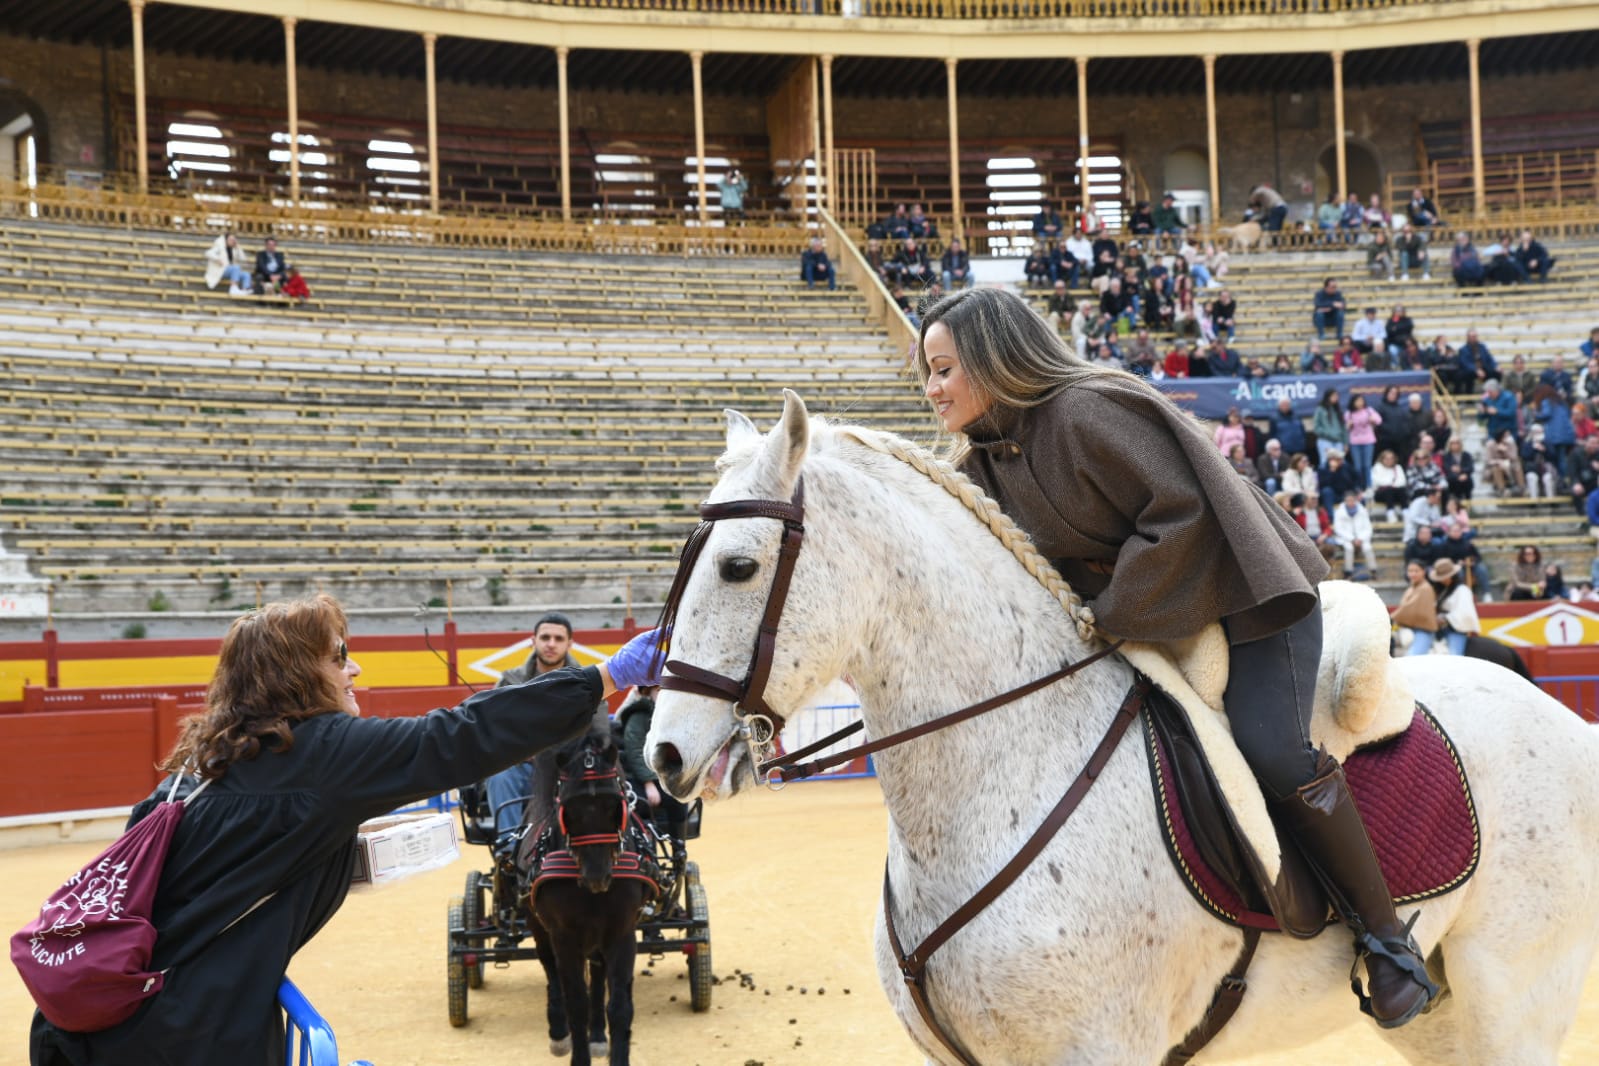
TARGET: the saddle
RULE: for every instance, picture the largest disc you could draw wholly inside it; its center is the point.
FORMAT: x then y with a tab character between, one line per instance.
1406	777
548	859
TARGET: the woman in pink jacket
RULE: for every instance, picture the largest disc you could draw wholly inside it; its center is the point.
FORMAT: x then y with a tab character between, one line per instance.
1362	423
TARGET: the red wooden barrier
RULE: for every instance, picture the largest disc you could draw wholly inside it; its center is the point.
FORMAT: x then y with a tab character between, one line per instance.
76	760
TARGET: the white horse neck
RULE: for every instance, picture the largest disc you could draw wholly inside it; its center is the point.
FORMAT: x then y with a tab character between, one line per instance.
947	618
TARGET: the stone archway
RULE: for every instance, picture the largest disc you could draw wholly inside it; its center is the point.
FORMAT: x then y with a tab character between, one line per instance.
1361	164
22	120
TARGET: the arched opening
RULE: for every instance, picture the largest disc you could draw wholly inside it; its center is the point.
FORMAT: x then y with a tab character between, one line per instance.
1360	165
1186	175
24	140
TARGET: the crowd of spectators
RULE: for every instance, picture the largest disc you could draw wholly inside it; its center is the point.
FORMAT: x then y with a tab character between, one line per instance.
1506	261
267	273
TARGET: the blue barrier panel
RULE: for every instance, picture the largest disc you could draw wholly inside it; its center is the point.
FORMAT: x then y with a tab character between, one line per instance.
310	1039
1580	692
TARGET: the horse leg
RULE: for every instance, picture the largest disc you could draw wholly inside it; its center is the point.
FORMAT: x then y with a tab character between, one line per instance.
571	963
619	961
597	1045
554	1008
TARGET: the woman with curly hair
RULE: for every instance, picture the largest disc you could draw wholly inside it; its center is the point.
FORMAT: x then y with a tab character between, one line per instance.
263	859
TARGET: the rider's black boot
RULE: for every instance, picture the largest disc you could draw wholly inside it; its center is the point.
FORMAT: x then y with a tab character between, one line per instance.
1326	825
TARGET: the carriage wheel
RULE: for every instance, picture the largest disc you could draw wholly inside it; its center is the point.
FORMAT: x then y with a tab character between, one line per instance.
455	969
472	916
699	963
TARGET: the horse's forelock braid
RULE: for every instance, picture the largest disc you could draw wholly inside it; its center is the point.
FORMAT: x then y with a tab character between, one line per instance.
1012	536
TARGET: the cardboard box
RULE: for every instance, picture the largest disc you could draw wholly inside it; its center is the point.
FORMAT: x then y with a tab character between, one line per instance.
398	846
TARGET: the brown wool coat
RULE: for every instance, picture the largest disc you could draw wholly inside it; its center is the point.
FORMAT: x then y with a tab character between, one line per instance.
1143	516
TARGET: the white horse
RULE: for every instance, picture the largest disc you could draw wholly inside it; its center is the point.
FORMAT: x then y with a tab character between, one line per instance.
1097	954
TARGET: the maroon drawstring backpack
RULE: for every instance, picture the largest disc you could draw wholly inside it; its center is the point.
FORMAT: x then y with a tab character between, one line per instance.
86	957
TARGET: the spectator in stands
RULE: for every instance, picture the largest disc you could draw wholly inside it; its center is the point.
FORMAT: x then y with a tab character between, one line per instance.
1374	216
1215	262
1465	263
1587	388
1532	259
1107	357
1336	477
1435	438
1417	613
1037	269
1082	326
1047	225
896	292
815	266
1168	220
1380	256
1271	466
1186	313
1557	377
1081	250
1520	381
1538	464
1500	258
1160	307
224	261
1526	575
1116	302
1499	408
1582	472
1501	457
1389	486
921	227
1361	422
532	782
956	266
1413	357
1397	329
270	267
1288	427
1269	207
914	266
1394	431
1378	360
1328	214
733	186
1141	221
1328	310
1327	423
1223	361
1421	211
1063	264
1345	358
1411	248
897	226
1459	471
1457	514
1590	347
1311	360
1240	462
1582	423
1315	521
1224	315
1352	531
1425	547
1141	356
294	286
1461	552
1351	219
1424	475
1300	477
1230	431
1060	307
880	266
1552	413
1474	365
1367	329
1178	363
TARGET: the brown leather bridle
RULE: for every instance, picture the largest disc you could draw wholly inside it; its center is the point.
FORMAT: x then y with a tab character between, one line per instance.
758	723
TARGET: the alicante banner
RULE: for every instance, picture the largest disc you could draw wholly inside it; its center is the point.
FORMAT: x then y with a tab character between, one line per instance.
1258	397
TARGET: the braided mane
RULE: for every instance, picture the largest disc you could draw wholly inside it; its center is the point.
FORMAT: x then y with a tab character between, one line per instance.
958	485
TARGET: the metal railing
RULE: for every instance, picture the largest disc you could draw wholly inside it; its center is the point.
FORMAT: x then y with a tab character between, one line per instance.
310	1040
1009	9
878	299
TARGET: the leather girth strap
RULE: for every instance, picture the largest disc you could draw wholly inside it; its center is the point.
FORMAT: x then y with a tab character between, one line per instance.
913	966
1223	1005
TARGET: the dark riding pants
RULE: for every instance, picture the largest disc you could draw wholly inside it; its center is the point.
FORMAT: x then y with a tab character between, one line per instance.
1271	689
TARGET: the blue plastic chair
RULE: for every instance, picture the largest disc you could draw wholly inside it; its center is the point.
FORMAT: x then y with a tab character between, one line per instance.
310	1038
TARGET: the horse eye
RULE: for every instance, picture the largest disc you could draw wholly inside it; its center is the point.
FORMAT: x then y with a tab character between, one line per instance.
739	568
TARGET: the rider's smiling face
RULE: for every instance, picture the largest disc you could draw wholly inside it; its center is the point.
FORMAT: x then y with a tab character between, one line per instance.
956	402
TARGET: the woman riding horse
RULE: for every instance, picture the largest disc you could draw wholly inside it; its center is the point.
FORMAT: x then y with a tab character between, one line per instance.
1140	512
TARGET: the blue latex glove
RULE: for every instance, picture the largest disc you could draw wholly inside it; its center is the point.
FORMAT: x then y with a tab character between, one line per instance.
638	662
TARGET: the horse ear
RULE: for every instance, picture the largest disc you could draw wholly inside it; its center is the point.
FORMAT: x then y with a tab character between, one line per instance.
790	438
740	430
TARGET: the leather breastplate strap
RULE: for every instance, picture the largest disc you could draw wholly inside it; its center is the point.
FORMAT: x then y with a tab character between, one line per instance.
913	966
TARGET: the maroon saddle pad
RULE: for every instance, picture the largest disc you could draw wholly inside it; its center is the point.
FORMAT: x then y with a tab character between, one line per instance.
1412	793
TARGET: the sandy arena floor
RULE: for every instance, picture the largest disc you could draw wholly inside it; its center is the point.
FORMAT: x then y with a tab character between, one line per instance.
792	882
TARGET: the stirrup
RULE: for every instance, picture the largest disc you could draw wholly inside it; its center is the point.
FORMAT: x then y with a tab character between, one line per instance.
1404	953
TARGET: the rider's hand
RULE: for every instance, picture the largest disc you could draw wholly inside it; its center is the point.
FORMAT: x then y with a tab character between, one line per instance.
638	662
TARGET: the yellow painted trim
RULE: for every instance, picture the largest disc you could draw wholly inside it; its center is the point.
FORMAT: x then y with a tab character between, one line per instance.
597	28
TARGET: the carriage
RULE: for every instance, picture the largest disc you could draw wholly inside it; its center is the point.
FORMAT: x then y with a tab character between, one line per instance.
490	921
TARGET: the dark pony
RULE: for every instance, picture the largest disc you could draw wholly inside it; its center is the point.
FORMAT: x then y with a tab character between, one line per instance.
589	887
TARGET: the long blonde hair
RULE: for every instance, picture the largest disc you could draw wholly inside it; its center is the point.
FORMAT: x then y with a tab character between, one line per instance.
1010	355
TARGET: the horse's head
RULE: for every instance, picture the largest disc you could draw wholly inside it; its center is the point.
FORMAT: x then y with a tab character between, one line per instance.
747	619
591	808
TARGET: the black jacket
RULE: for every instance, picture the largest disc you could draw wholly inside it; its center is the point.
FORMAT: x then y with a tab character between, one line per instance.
285	823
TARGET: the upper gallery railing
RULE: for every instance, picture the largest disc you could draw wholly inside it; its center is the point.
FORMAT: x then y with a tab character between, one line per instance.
1005	9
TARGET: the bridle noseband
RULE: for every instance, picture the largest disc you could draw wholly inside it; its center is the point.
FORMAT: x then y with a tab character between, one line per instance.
757	722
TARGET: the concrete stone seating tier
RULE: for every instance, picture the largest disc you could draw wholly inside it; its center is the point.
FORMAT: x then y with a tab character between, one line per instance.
538	428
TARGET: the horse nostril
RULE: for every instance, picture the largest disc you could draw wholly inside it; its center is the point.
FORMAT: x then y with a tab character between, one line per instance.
667	761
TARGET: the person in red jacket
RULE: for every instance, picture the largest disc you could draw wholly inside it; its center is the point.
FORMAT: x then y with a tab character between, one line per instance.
294	286
1176	364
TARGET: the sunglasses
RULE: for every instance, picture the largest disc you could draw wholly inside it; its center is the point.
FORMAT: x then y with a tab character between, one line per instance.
341	655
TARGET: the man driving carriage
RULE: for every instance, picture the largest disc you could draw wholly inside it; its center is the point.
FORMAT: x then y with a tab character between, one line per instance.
524	794
665	810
